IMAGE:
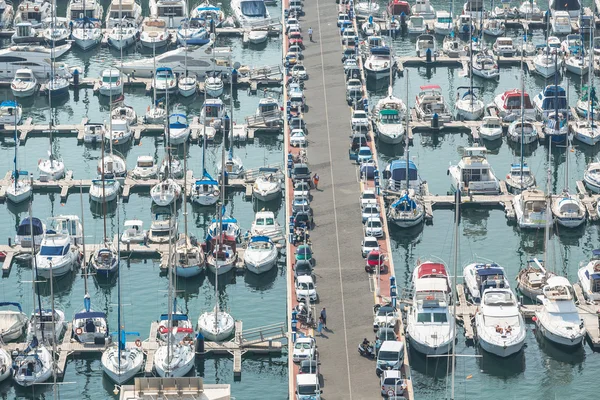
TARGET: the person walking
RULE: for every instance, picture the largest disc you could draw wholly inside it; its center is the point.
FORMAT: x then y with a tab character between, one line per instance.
320	326
316	181
310	34
324	317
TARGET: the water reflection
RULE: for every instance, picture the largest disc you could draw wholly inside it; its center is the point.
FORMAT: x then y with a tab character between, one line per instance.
501	367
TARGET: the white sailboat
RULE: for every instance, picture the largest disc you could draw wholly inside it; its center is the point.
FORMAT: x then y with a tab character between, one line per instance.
19	190
187	83
51	169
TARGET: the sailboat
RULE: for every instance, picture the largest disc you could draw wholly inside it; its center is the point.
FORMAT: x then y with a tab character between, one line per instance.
156	113
52	169
19	190
205	191
407	211
105	259
189	257
218	325
187	84
120	362
585	130
89	326
567	208
469	106
233	165
104	190
174	358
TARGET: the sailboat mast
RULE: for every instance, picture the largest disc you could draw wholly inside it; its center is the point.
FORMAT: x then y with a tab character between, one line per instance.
471	64
455	274
187	28
53	26
406	133
53	332
119	323
548	206
568	143
220	230
102	177
185	221
83	261
522	119
168	133
154	73
590	108
231	113
204	131
170	295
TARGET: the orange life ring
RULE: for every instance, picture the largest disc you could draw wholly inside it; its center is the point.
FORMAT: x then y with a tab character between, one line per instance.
78	331
429	298
138	343
163	330
118	83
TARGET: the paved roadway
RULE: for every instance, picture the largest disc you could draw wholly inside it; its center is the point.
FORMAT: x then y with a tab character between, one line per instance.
342	283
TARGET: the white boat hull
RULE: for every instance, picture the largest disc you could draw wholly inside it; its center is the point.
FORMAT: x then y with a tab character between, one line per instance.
205	199
266	196
24	92
225	326
64	266
19	194
443	348
54	170
559	339
131	363
183	353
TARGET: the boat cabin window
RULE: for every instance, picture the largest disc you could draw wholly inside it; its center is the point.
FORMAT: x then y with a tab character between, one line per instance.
265	221
170	11
254	8
118	15
390	117
145	164
54	250
212	111
79	14
111	79
437	317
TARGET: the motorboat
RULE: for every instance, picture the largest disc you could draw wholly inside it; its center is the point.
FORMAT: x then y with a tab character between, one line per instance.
532	279
114	166
577	64
453	47
55	256
501	329
395	174
51	169
104	190
261	255
154	33
589	277
121	363
156	114
25	33
426	42
416	25
179	129
172	12
47	324
250	13
125	112
162	229
268	108
547	63
105	260
480	277
11	113
233	166
558	318
571	7
86	32
429	325
591	177
473	174
530	207
91	327
430	101
387	115
379	63
568	210
111	83
406	212
213	85
267	186
443	25
124	33
33	366
212	113
464	24
134	232
490	128
6	370
522	131
68	225
469	107
366	8
424	9
24	84
370	28
257	36
265	224
145	168
551	98
530	10
216	325
205	191
28	228
519	178
508	105
210	13
56	31
78	9
561	23
12	322
572	45
223	255
187	85
166	192
120	11
504	47
33	11
485	66
189	258
494	27
397	7
586	131
7	15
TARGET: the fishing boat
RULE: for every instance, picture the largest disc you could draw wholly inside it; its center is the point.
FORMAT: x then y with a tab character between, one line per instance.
12	322
519	177
464	24
172	12
265	224
558	318
568	210
501	329
473	174
111	83
105	260
490	128
479	276
586	131
430	326
261	255
577	64
154	33
30	230
56	254
267	186
530	208
24	84
532	279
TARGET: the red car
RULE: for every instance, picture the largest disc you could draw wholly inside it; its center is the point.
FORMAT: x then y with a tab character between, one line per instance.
375	259
295	38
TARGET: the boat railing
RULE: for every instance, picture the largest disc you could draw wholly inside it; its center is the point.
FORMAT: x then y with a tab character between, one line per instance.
262	24
270	71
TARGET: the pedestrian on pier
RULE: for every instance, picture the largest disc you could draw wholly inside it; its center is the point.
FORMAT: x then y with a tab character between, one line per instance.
320	326
310	33
324	317
316	181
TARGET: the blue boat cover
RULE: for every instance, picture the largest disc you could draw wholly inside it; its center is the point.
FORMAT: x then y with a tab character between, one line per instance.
404	203
25	225
493	270
174	317
260	239
8	103
164	69
9	303
90	314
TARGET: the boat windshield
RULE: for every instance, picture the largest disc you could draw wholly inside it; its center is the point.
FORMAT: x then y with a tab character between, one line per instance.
265	221
437	317
112	79
254	8
54	250
390	117
145	164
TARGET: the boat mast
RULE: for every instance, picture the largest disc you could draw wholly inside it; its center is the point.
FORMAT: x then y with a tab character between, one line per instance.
471	63
590	105
120	333
52	27
169	161
54	387
455	273
406	134
102	170
521	186
187	27
231	112
83	261
567	147
170	297
185	221
204	131
220	231
16	173
154	105
548	205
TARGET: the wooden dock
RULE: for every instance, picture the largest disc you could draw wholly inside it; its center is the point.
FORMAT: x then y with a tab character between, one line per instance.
465	312
590	315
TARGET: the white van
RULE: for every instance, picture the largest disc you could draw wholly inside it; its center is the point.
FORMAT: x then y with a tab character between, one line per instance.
390	356
307	387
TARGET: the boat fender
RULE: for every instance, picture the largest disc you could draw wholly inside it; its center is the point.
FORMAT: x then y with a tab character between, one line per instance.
163	330
118	83
385	65
138	343
507	176
36	8
3	370
22	8
78	331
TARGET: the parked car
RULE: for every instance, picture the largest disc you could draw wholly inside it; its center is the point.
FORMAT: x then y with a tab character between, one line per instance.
299	72
384	316
298	138
371	210
305	288
360	120
392	384
343	18
367	197
300	172
368	243
304	252
302	268
374	227
305	348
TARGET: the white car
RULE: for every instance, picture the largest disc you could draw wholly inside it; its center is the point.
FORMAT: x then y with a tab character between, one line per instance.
350	63
292	29
348	33
301	190
343	18
360	120
368	196
292	23
354	84
374	227
305	288
304	349
368	244
384	316
298	138
370	211
299	72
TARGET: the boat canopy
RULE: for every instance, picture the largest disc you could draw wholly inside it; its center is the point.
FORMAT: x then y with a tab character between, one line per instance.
512	100
9	303
260	239
8	103
594	276
552	95
134	222
178	121
174	317
428	269
404	203
398	170
380	51
90	314
25	225
493	269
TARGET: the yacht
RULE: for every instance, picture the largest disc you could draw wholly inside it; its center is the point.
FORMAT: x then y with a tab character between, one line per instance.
473	8
105	260
430	326
370	28
231	228
40	324
124	112
34	11
552	97
424	9
55	254
123	34
407	211
154	33
558	319
216	325
530	209
480	277
172	12
86	33
261	255
121	11
56	31
589	277
561	23
365	8
24	84
80	9
25	33
485	66
577	64
34	366
162	229
267	186
214	86
133	232
187	85
189	259
519	179
530	10
522	131
174	360
111	83
209	13
6	363
469	106
585	132
250	13
416	25
51	169
212	113
568	210
570	7
114	166
145	168
164	193
547	63
68	225
556	127
387	117
37	59
494	27
121	365
473	174
165	80
104	190
265	224
379	63
453	47
179	129
508	105
430	101
464	24
90	327
180	329
443	25
591	177
500	327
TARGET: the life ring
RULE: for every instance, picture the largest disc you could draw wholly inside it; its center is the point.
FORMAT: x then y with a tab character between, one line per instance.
21	8
97	25
163	330
429	298
78	331
36	8
118	83
138	342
